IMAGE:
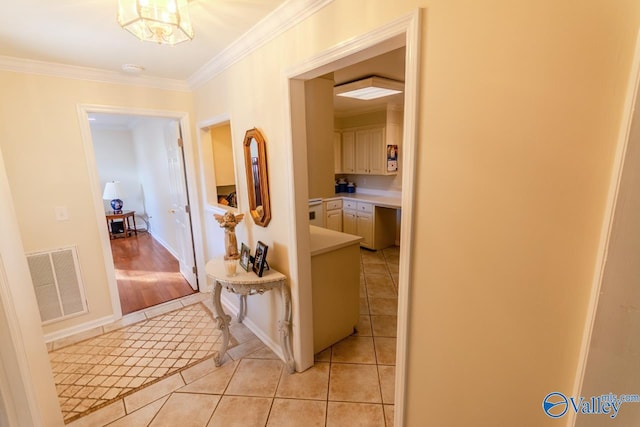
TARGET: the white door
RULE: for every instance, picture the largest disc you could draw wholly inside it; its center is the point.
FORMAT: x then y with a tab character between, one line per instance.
179	203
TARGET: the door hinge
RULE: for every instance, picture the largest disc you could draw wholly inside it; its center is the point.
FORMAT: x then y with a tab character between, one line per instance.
187	209
194	269
179	142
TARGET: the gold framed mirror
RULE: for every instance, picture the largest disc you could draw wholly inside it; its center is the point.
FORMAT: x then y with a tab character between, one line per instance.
255	159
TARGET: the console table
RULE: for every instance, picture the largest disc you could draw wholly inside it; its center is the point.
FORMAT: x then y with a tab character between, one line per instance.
244	284
125	216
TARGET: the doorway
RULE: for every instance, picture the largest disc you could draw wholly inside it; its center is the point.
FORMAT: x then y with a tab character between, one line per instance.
403	32
153	261
609	354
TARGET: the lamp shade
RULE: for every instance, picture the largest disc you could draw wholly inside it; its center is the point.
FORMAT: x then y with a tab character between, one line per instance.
112	190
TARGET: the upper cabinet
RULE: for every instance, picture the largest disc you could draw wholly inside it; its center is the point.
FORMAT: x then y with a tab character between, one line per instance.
347	152
370	149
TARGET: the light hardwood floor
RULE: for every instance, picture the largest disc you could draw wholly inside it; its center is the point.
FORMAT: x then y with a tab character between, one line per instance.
146	272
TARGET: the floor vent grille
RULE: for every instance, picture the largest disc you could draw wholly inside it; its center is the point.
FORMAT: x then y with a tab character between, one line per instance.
57	283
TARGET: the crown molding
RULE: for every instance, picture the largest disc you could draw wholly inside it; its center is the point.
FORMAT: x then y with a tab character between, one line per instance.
287	15
30	66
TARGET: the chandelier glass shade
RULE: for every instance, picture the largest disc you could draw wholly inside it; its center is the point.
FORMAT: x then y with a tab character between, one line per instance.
159	21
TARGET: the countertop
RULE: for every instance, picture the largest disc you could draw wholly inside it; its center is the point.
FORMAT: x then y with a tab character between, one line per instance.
394	202
324	240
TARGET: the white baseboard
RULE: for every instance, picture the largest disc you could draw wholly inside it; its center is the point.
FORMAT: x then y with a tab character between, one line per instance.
64	333
262	336
165	245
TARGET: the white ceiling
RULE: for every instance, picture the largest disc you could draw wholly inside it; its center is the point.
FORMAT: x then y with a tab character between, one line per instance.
85	33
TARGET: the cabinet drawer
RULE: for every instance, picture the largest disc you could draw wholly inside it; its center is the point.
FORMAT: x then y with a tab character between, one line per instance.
350	204
333	204
365	207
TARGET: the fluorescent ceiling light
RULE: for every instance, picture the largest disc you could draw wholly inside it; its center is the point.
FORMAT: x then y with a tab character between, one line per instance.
369	88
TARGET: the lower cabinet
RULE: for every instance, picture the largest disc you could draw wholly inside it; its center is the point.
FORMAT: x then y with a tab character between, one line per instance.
333	215
334	220
376	225
349	224
364	223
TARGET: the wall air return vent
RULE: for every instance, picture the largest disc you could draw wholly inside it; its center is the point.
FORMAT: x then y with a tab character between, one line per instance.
58	283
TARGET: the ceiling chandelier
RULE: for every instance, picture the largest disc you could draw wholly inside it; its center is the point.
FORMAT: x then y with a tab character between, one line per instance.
159	21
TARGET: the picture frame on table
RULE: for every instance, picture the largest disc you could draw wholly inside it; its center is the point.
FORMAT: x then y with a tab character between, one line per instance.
245	257
260	259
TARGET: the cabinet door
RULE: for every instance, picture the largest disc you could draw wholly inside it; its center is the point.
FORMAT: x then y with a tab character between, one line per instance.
377	152
337	152
348	152
364	222
349	225
334	220
363	138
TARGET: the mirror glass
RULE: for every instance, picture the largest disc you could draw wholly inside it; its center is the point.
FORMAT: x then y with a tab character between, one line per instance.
257	180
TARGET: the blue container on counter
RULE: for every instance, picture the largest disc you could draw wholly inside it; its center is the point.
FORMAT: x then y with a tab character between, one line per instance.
342	187
351	188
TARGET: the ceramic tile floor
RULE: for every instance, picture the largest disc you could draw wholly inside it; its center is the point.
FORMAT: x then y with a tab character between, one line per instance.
351	383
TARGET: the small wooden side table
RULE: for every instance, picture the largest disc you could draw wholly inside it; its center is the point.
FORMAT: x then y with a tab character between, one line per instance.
125	216
244	284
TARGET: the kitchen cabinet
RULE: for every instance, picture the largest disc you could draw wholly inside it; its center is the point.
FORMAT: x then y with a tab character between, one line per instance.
370	151
347	150
349	224
365	139
337	152
333	215
364	225
363	151
335	286
349	217
376	225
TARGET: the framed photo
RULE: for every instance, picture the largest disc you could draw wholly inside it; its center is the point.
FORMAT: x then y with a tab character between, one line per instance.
260	260
245	255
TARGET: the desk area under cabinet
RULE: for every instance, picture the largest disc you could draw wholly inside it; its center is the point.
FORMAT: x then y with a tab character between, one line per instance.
372	217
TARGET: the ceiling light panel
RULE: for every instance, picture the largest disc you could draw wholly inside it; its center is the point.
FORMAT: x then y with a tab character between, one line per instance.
369	88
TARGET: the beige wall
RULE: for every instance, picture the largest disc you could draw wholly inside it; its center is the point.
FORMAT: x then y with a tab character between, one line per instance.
319	120
27	389
222	155
46	166
519	110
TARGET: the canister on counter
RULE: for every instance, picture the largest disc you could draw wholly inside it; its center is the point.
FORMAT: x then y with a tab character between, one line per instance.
342	185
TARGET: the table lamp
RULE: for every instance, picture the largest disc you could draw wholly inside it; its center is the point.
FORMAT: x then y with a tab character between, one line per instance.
112	192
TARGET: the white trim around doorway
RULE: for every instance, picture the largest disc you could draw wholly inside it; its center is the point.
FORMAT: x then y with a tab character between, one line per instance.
83	115
633	90
404	31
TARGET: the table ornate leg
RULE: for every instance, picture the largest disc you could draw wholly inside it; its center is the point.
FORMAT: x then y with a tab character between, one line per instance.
242	312
284	326
222	320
